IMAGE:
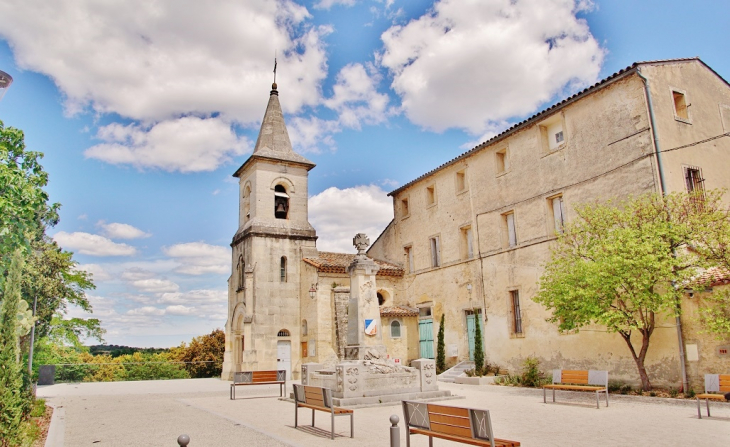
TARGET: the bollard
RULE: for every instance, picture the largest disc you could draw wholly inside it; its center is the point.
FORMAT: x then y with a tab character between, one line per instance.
183	440
394	431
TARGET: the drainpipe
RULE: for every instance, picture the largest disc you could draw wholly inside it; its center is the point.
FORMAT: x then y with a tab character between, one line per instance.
662	186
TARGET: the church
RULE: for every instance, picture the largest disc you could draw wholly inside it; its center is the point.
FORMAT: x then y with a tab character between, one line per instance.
469	239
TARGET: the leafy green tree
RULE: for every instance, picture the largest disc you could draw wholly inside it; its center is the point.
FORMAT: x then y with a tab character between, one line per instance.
204	356
617	266
24	208
478	346
441	349
12	399
51	275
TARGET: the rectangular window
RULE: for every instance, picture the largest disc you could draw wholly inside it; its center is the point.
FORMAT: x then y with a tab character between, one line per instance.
435	252
404	207
282	277
395	329
424	311
510	231
467	246
516	311
693	179
460	181
304	349
725	116
556	204
430	195
680	106
502	161
552	133
409	259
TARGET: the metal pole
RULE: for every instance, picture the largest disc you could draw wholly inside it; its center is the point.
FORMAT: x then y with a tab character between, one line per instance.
394	431
32	341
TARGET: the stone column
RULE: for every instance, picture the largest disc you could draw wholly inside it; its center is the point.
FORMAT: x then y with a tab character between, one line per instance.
427	371
364	331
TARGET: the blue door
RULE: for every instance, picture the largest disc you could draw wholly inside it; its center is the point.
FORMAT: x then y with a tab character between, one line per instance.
425	338
471	334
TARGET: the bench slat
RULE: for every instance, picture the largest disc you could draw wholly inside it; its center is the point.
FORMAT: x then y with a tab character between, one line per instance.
444	409
451	429
450	420
470	441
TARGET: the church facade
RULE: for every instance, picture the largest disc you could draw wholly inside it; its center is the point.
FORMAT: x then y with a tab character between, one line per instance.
469	238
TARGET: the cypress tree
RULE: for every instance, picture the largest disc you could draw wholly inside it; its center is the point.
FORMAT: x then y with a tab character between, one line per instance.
478	348
11	376
441	349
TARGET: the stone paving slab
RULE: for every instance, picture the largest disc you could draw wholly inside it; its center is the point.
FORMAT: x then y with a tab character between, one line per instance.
154	413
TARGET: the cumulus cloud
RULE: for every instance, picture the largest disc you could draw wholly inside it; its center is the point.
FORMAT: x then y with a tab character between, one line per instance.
331	211
188	144
146	310
356	98
92	244
327	4
469	64
166	62
98	273
195	297
117	230
198	258
136	273
155	285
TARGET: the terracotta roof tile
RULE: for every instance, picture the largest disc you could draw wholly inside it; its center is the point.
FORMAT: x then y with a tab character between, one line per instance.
715	276
338	262
398	311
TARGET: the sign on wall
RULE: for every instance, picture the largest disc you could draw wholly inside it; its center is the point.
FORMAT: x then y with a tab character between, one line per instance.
371	327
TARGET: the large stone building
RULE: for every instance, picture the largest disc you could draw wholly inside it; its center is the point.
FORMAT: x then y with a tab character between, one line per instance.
469	239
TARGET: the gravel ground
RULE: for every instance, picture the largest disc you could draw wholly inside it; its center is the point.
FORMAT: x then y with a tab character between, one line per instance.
154	414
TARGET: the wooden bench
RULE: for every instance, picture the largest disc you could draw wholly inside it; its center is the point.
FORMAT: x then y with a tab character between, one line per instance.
319	399
274	377
714	383
580	380
464	425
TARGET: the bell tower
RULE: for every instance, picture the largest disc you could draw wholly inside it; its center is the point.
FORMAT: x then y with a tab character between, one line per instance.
273	236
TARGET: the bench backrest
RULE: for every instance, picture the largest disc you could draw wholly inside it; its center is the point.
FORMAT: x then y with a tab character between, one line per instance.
259	376
581	377
313	395
455	421
717	383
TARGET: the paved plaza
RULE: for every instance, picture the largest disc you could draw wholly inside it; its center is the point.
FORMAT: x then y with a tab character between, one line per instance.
154	413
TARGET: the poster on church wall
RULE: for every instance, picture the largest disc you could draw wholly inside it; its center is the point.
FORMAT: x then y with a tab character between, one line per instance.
371	327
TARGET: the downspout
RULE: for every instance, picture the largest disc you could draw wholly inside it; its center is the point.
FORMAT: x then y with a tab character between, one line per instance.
662	187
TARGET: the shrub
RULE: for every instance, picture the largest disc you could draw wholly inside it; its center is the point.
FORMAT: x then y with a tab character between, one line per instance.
441	349
531	374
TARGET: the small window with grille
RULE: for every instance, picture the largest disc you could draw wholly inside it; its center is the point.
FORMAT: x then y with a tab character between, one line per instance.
516	311
694	181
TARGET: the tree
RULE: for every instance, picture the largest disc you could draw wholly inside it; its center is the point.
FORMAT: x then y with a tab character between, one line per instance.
441	349
24	208
12	400
618	266
204	356
478	347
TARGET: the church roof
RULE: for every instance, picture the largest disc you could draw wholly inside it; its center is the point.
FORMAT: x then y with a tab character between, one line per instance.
273	141
398	311
338	262
715	276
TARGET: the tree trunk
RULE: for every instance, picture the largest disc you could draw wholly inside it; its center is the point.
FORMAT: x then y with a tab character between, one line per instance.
639	358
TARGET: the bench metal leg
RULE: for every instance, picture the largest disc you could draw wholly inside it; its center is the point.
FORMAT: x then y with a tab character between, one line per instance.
430	441
553	394
699	409
296	414
597	401
544	394
312	417
606	397
352	425
408	435
707	402
332	434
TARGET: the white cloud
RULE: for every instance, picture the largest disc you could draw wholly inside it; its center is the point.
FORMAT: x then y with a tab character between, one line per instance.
179	310
92	244
356	97
172	66
198	258
117	230
155	285
187	144
136	273
145	311
327	4
195	298
98	273
469	64
331	213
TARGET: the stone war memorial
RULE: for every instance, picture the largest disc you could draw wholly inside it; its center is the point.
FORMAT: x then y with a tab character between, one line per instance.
367	375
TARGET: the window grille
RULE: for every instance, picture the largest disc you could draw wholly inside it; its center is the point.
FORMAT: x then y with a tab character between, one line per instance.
283	333
516	311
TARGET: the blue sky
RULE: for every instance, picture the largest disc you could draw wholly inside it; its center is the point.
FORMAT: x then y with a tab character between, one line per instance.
144	110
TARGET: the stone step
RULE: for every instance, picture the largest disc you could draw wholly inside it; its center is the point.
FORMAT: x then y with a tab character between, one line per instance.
450	375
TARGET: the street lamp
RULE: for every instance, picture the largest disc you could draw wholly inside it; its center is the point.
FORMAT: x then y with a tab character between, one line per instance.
5	81
313	291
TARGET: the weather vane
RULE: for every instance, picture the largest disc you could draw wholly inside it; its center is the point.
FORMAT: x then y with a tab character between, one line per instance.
274	67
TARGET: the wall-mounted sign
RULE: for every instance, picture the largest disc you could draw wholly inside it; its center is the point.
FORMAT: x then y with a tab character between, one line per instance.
371	328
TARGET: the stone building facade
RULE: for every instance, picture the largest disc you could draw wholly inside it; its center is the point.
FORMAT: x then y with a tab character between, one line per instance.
469	239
